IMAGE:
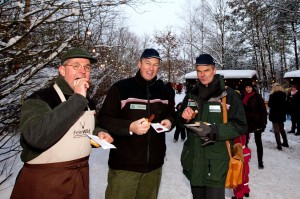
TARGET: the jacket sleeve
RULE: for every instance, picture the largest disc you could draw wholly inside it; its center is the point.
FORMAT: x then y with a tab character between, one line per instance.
237	123
109	116
263	108
41	126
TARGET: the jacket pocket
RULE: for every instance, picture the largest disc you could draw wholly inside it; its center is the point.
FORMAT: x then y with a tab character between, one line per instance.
215	172
187	158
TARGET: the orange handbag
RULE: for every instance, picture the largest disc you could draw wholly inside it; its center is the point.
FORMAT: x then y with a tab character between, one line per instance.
235	170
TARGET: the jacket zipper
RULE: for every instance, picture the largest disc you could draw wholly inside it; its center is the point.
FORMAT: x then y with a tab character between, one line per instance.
209	167
148	112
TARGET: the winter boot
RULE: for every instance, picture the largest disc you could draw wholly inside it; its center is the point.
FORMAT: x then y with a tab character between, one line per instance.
279	148
261	165
293	129
297	133
285	144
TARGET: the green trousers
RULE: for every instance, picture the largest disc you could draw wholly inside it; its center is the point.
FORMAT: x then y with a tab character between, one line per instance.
133	185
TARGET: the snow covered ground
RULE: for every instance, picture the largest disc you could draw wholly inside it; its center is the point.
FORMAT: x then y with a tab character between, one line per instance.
280	179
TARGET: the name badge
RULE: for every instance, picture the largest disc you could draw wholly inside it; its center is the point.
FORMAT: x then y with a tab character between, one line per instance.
215	108
192	103
138	106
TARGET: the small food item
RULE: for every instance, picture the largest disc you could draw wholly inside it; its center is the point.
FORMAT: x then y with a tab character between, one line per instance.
88	81
197	123
151	118
95	144
159	129
195	113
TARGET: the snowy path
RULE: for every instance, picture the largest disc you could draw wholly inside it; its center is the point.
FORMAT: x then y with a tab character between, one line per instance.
280	179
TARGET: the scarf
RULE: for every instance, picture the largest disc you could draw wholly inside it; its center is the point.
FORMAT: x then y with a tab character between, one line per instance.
247	96
214	89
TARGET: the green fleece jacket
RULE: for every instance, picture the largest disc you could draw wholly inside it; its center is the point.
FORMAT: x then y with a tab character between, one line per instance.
208	165
45	119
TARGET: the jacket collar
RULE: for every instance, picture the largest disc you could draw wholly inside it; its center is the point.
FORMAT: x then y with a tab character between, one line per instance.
63	85
142	82
213	91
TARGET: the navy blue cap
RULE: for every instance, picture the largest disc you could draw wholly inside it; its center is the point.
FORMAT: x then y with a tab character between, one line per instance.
150	53
205	59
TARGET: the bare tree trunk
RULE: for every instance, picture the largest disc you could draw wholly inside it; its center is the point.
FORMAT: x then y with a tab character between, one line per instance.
295	46
263	65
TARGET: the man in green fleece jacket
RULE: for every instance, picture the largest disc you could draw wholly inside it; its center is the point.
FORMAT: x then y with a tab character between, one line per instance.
204	156
54	123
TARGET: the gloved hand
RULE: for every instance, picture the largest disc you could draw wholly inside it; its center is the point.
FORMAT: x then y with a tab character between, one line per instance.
202	130
209	139
205	133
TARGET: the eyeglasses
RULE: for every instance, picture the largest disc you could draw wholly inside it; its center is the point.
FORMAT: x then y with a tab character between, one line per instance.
78	66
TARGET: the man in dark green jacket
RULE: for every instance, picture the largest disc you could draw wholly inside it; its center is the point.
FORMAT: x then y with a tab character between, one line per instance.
205	157
54	123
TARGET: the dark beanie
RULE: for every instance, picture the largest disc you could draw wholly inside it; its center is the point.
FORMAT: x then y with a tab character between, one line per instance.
248	83
205	59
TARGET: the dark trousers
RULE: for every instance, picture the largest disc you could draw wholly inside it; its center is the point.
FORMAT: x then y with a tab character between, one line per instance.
180	131
259	146
293	126
207	192
278	128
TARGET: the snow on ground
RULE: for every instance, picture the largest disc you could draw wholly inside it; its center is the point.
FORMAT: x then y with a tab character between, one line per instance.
280	179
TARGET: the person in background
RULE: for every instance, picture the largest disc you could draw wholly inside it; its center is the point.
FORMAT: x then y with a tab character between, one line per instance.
277	114
257	116
243	189
172	91
204	157
293	103
179	88
179	129
188	86
135	167
53	125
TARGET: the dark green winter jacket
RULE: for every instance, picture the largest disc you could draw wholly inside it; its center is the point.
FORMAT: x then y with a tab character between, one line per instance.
208	165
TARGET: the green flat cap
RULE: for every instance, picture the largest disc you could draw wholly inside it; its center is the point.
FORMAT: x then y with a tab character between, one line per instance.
78	53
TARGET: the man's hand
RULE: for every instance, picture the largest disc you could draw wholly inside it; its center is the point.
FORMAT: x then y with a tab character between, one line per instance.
81	85
140	127
188	114
105	136
166	123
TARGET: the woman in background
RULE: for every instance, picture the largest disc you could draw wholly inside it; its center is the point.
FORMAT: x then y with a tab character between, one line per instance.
277	115
293	99
256	114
